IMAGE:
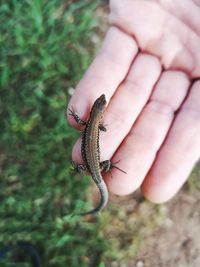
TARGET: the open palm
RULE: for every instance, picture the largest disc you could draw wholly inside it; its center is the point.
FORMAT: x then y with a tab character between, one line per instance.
148	68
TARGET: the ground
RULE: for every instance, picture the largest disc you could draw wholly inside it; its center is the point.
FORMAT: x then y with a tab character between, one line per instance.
176	241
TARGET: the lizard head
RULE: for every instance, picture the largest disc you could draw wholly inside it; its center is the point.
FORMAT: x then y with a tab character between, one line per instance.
100	103
98	107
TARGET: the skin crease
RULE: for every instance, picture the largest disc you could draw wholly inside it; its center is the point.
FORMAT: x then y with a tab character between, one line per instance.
149	70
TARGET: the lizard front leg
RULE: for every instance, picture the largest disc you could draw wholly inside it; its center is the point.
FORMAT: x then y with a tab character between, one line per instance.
76	117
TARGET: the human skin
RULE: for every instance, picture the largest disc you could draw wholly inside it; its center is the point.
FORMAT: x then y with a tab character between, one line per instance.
149	70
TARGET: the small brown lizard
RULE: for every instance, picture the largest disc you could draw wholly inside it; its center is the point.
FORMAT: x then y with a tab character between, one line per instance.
90	150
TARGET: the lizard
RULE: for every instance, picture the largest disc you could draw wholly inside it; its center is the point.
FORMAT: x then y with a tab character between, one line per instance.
90	150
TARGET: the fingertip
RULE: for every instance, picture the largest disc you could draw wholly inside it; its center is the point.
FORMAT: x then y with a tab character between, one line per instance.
80	110
69	117
156	193
121	184
76	152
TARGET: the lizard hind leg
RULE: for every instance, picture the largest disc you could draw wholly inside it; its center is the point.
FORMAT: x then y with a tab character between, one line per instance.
107	166
79	167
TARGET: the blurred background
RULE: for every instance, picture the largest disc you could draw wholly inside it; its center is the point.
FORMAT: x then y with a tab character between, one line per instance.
45	47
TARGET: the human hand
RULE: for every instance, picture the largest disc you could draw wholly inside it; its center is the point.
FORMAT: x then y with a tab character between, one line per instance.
148	68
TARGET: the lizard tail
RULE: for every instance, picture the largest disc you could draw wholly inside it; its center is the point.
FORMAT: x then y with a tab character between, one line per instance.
102	203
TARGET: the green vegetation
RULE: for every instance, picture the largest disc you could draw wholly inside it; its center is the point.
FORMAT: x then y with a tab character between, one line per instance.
43	53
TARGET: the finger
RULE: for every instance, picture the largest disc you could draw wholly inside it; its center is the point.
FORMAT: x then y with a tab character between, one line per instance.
128	101
126	104
106	72
179	153
140	147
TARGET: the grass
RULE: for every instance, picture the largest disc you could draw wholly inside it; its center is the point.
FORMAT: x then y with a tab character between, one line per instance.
44	52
